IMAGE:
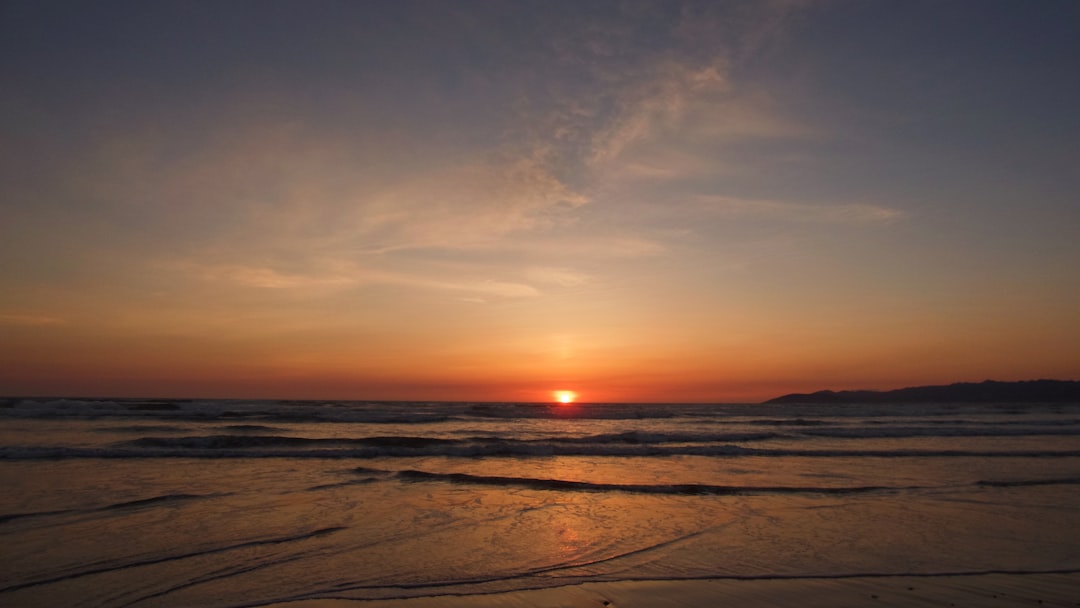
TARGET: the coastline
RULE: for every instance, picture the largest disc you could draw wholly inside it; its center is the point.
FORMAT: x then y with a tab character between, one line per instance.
988	590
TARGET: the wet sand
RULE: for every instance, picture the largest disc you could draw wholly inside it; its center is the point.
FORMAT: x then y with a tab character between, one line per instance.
969	506
984	590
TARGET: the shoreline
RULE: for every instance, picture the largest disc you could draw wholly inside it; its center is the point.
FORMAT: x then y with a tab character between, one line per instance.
990	590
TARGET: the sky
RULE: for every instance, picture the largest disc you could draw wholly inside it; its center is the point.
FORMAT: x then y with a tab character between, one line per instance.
491	201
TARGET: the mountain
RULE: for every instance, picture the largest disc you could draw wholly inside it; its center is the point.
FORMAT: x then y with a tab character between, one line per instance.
990	391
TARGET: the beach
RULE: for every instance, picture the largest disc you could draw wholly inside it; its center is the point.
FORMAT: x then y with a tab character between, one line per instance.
270	503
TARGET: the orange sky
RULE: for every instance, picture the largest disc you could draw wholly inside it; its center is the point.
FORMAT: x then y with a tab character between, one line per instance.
460	201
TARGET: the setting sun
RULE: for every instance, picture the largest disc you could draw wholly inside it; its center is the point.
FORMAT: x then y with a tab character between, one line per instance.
565	396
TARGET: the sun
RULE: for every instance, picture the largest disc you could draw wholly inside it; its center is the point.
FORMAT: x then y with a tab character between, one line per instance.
565	397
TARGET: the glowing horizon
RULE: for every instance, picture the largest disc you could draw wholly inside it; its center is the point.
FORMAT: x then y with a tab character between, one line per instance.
565	397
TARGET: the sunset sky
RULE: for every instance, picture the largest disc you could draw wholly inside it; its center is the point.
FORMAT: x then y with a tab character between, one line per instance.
636	201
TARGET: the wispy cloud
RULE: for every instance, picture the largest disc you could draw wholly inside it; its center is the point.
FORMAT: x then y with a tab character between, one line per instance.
561	277
342	275
289	208
469	205
685	124
654	104
625	93
257	201
831	213
29	319
602	247
269	278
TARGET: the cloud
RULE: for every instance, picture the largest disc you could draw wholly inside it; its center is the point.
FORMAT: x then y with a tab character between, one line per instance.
653	105
751	114
466	206
560	277
832	213
495	288
288	207
258	179
269	278
32	320
339	275
686	125
259	198
621	88
625	246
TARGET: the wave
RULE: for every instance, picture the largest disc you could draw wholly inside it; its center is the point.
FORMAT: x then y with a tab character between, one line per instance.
678	489
1021	483
563	445
259	441
788	422
131	504
729	423
411	442
646	437
379	412
905	432
227	410
143	428
340	449
684	489
250	428
692	489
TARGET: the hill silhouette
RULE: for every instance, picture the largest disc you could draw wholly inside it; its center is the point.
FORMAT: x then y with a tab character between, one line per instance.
990	391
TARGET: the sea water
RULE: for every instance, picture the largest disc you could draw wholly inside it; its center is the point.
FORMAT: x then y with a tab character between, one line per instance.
110	502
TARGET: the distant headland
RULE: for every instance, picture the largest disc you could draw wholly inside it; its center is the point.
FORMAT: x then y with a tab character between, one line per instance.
990	391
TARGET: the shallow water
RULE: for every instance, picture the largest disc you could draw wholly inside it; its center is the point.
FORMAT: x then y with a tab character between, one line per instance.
225	503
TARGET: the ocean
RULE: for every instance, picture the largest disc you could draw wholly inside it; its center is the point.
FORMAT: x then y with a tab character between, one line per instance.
224	503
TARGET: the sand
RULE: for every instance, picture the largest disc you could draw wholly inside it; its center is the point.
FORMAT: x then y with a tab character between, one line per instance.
984	590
